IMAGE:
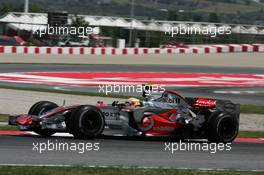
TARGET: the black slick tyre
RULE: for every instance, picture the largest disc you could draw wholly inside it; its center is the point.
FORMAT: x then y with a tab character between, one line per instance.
39	109
88	122
223	128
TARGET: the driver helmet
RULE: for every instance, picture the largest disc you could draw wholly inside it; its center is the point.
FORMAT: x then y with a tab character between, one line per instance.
133	102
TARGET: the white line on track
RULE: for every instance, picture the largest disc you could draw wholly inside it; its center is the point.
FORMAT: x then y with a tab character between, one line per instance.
238	92
61	89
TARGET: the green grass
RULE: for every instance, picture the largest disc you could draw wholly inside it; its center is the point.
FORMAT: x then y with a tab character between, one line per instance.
228	8
251	134
252	109
7	170
3	117
8	128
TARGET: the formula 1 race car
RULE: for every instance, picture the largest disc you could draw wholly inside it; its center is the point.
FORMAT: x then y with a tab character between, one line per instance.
164	113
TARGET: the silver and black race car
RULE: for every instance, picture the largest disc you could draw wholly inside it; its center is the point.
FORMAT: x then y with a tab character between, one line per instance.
166	113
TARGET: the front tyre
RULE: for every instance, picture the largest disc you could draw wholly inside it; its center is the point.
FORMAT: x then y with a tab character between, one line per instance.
88	122
39	109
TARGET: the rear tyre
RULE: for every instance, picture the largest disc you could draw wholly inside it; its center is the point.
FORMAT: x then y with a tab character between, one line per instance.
39	109
223	128
88	122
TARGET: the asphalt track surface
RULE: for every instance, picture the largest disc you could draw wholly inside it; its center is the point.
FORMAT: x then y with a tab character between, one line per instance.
116	151
135	151
243	98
